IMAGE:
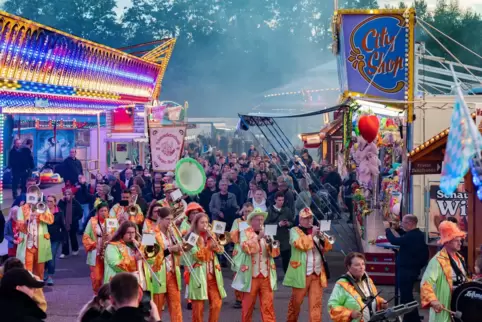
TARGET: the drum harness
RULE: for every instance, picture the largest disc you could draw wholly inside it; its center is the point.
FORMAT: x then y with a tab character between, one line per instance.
356	286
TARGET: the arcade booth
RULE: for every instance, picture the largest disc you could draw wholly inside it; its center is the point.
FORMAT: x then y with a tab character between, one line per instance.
376	80
51	83
463	204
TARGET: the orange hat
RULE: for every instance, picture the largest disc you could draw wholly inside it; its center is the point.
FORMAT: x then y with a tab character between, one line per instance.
306	212
192	206
169	187
448	232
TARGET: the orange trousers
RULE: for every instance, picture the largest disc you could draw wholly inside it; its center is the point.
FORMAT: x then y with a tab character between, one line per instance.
31	262
97	274
315	293
173	295
215	303
260	286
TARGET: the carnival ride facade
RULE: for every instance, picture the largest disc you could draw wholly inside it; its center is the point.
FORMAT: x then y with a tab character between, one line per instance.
44	71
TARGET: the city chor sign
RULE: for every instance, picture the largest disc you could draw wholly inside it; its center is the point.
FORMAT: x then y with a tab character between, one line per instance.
376	51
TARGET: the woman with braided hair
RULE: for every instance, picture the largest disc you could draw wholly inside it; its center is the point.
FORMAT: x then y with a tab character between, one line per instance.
95	237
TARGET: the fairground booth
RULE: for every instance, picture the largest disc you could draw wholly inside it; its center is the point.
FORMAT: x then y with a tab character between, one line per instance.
57	88
375	53
463	204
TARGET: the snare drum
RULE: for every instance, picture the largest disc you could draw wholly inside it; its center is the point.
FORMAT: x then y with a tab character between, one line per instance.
467	299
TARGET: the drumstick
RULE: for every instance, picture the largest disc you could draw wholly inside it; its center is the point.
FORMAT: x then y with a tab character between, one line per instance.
457	315
371	300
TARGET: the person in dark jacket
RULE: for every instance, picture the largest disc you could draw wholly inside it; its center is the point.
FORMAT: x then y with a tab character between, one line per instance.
73	212
206	195
115	188
20	162
282	217
57	234
16	292
412	257
72	168
97	307
86	200
126	295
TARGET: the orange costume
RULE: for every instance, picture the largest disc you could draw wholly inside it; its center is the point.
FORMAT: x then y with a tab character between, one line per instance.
207	284
167	269
93	244
117	211
306	274
256	276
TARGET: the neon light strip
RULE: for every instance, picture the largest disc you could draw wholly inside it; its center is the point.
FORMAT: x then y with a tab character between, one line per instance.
1	157
34	53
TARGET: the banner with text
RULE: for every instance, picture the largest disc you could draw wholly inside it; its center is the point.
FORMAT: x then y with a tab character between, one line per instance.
443	206
166	147
376	48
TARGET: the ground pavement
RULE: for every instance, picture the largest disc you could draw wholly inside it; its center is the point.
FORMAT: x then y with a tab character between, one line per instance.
72	290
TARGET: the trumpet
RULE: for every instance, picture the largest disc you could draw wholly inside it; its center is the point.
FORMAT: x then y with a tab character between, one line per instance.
40	207
132	210
324	236
218	243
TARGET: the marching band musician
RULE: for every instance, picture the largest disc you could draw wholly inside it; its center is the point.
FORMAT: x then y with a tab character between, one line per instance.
34	248
94	239
167	201
192	209
121	209
354	297
122	254
257	272
245	211
445	271
169	271
152	218
207	270
307	270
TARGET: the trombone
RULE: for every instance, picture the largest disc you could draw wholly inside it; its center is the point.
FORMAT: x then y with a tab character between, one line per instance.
221	243
185	247
134	242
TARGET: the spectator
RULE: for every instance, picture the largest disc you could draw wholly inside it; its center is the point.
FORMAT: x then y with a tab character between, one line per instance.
233	188
17	292
20	162
289	197
58	235
122	175
412	256
206	195
259	200
223	205
239	180
98	307
20	200
247	173
103	193
304	197
125	297
86	200
11	233
115	188
169	177
72	211
272	190
252	189
116	174
128	178
72	168
258	178
140	201
280	215
348	193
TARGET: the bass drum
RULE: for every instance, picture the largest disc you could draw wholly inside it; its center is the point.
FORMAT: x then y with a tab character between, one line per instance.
467	299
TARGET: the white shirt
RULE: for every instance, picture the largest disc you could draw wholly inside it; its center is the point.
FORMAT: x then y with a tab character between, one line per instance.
461	267
365	289
168	259
260	260
32	235
313	260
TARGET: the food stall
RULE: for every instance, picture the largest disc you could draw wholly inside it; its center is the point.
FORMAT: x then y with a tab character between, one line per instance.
44	71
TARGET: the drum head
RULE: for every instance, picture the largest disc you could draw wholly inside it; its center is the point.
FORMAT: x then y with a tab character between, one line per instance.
467	299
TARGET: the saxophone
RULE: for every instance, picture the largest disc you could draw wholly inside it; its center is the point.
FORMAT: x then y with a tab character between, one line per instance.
102	243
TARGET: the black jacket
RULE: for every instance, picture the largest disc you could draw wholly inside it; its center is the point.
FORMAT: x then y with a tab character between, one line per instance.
413	254
71	169
282	233
128	314
20	160
77	212
57	230
16	306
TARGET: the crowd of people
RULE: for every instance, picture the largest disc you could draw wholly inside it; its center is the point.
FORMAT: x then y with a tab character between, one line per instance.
144	243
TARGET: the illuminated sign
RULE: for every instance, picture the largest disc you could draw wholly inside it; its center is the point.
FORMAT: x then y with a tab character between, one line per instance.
375	49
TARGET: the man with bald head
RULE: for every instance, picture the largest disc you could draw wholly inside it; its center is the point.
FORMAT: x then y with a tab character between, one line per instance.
412	257
20	162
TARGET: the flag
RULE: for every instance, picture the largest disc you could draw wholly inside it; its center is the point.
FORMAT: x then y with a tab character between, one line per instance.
460	149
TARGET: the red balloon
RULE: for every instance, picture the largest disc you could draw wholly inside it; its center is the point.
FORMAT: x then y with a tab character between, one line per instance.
390	122
368	126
